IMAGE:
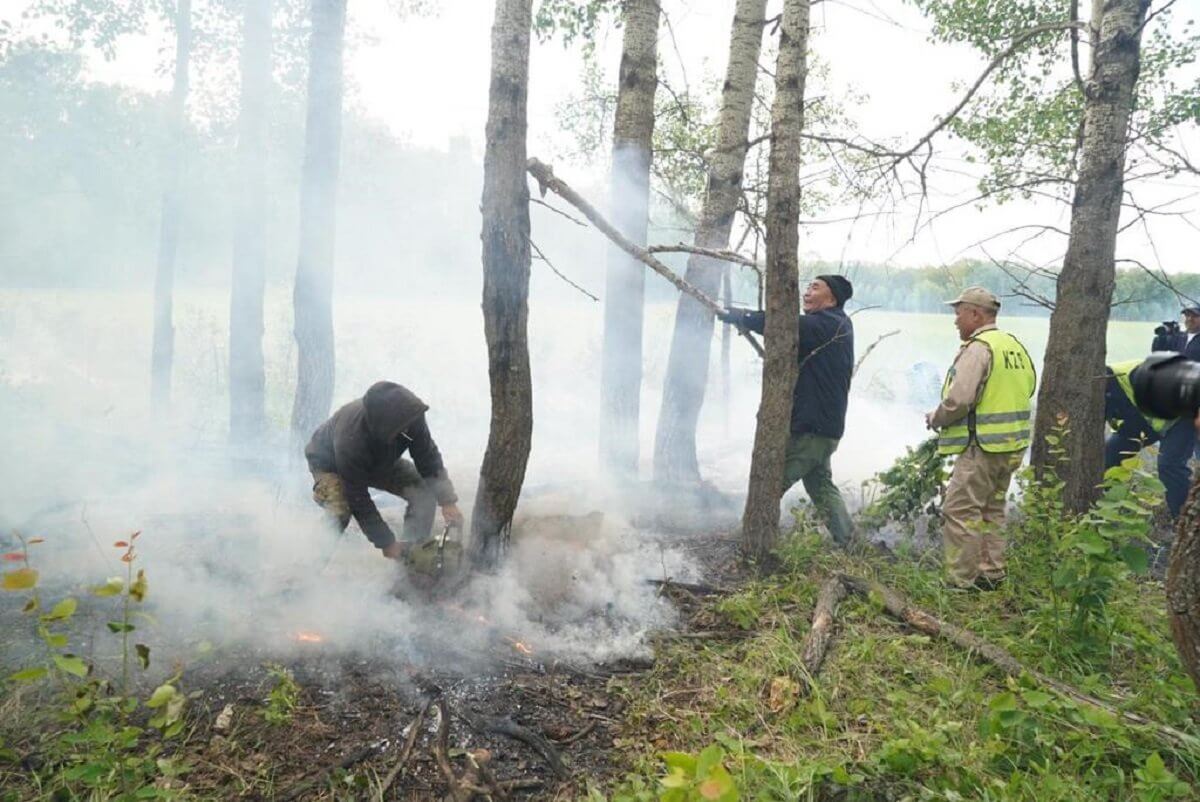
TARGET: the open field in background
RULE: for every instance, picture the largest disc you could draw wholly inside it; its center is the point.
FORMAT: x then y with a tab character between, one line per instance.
75	365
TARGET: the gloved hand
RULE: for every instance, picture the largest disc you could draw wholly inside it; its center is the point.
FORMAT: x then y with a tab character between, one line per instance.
730	315
396	550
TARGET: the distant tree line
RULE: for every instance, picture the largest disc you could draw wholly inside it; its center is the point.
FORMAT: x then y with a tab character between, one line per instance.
1138	295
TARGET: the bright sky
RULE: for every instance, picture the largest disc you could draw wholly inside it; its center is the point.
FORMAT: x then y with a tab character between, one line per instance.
427	78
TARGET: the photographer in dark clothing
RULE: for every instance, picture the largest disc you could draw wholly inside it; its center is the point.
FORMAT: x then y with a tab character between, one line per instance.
1169	337
820	396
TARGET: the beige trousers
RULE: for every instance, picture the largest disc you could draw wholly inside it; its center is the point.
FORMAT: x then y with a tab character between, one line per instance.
973	514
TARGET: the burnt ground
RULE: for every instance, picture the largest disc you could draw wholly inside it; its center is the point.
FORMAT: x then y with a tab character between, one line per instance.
496	723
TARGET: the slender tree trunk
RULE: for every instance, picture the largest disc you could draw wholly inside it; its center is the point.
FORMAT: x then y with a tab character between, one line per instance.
675	459
621	361
1183	586
726	341
247	414
162	351
313	294
781	336
505	237
1072	388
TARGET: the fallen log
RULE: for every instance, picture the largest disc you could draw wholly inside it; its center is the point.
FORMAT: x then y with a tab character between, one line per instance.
931	625
812	651
548	181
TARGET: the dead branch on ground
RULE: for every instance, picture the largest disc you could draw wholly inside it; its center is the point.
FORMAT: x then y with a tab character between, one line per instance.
500	725
414	732
928	624
812	652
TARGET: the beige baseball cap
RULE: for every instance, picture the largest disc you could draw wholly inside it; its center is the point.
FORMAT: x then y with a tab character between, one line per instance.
976	296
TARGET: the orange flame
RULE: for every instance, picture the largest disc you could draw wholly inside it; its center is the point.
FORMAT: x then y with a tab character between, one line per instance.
519	646
304	636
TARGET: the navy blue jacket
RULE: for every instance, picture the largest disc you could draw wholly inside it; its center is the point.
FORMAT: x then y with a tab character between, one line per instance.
1179	344
826	364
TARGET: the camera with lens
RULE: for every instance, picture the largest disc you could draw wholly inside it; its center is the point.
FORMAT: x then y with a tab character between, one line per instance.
1167	386
1167	327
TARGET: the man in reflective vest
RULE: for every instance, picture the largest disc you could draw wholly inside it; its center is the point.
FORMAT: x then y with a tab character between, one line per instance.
1133	430
983	420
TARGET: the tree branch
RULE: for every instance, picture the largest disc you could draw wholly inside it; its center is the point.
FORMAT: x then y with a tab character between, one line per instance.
546	179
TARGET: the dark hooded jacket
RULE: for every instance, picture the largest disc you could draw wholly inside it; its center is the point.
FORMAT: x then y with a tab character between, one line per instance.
361	444
822	389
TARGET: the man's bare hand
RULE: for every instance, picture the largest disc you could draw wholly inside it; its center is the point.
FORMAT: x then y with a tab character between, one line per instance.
395	551
928	420
452	515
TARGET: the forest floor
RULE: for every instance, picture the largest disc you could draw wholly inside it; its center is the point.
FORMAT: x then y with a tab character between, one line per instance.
723	710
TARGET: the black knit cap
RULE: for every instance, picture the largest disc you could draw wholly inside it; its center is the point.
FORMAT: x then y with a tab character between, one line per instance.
840	286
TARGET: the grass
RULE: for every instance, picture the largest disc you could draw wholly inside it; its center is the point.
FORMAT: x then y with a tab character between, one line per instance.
898	715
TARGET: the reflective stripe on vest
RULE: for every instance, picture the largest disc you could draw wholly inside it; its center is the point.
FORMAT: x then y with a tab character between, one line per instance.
1121	372
999	422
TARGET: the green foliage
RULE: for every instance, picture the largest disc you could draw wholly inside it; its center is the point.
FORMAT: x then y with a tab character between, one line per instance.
1026	121
573	20
694	778
1089	555
97	750
283	697
907	490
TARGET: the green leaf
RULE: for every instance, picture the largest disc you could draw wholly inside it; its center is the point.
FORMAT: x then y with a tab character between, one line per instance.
680	760
162	694
1092	544
110	588
55	640
120	626
20	579
29	674
1037	699
708	760
1136	558
64	609
1003	702
71	665
143	654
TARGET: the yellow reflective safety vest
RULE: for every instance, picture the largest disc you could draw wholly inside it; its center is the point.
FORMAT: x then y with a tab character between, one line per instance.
1122	371
999	421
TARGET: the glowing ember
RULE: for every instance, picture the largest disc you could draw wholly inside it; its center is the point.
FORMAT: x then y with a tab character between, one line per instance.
308	637
519	646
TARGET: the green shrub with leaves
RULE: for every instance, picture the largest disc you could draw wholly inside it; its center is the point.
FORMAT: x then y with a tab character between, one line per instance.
103	752
909	489
283	697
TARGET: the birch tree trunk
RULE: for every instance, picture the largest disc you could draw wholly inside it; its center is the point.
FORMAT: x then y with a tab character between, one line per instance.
1072	387
675	459
313	293
505	237
760	521
629	200
162	350
247	414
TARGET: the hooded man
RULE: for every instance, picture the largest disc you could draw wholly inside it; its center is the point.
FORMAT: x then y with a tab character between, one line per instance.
361	447
820	395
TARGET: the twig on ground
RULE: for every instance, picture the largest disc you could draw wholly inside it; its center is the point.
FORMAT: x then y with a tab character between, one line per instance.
414	732
304	786
505	726
691	587
441	753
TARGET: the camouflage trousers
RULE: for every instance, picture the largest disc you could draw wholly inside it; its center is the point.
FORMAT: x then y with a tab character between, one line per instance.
403	481
973	514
